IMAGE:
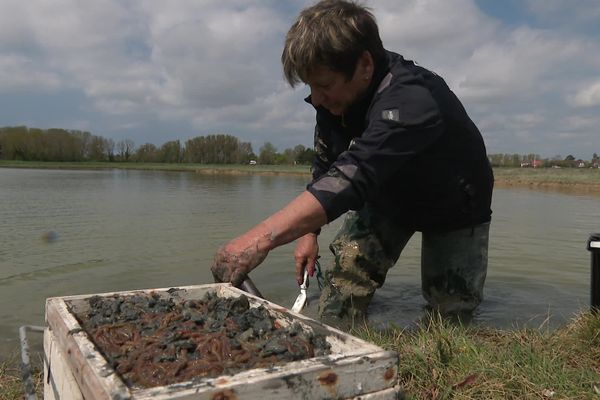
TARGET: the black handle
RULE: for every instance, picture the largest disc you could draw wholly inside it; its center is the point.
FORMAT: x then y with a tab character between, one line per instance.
250	287
594	247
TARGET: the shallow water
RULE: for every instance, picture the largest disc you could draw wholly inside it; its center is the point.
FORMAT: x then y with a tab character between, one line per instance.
81	232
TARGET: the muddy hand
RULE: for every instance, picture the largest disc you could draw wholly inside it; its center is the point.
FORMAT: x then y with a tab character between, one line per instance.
236	259
226	269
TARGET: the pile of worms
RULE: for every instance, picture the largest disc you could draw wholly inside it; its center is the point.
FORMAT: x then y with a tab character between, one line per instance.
152	340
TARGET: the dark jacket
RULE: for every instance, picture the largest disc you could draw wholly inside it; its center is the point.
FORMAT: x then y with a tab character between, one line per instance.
407	148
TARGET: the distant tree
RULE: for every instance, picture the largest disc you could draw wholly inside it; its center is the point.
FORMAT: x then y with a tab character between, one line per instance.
96	149
146	153
125	149
12	140
297	153
170	152
267	154
492	158
515	160
306	157
287	157
246	153
84	139
569	158
64	145
217	149
195	150
43	145
228	149
109	148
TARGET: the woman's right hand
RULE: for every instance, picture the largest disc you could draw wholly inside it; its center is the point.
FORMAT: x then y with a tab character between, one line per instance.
237	258
305	255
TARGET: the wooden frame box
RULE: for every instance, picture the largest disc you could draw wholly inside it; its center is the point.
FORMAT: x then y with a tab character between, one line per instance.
354	369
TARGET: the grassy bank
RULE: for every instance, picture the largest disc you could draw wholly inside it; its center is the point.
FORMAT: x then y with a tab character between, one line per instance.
580	180
440	360
584	180
11	385
182	167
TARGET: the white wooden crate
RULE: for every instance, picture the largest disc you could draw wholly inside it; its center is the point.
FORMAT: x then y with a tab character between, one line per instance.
354	369
59	382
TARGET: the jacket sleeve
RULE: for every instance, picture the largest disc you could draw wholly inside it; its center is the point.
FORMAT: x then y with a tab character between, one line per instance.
322	161
403	121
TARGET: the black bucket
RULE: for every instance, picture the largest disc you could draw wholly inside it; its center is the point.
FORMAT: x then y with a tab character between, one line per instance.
594	247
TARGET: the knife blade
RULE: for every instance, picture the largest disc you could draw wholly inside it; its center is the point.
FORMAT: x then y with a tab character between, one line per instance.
301	299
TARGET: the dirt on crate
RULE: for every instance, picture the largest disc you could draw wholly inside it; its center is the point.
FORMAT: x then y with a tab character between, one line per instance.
153	340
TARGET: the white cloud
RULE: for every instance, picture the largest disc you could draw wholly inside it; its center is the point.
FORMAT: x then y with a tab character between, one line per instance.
19	73
522	65
281	117
226	61
213	65
427	27
513	80
588	96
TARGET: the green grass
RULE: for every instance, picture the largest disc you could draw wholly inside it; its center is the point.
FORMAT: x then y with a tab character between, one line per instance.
549	176
11	385
442	360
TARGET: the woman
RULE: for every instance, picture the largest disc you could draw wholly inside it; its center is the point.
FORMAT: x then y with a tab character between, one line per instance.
396	151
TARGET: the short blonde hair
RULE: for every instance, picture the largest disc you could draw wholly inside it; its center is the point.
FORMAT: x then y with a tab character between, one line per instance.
331	33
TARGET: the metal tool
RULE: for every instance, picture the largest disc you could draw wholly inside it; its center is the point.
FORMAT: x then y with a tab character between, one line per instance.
27	374
301	299
249	287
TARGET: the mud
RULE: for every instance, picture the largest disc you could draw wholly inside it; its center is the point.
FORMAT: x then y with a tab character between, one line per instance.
151	340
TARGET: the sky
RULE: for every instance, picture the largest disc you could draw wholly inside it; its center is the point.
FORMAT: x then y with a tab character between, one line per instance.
151	71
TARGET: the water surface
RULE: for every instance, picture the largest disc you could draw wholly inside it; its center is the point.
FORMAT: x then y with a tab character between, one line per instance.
82	232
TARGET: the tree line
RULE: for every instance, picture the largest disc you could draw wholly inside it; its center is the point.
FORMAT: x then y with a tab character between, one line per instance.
536	161
33	144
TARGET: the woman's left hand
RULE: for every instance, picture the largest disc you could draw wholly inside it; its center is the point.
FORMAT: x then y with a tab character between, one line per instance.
305	256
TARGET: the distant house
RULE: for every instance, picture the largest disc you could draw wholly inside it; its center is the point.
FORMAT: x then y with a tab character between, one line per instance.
580	164
534	164
596	164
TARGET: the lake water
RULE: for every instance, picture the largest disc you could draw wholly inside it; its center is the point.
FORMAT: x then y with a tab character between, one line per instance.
81	232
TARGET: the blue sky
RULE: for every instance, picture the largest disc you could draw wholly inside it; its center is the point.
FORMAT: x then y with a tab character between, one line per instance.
528	71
